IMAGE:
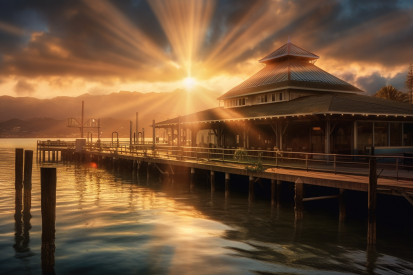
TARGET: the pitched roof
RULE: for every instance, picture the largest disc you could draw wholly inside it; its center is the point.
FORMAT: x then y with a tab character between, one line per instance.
308	105
286	50
289	74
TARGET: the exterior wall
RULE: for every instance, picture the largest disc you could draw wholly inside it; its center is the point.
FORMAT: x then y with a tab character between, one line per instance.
265	98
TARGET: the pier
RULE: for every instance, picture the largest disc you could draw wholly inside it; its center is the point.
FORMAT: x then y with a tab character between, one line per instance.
391	175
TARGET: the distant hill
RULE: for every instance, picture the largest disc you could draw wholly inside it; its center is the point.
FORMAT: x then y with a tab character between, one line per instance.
121	106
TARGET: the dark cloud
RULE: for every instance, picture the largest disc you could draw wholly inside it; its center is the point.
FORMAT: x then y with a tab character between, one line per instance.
75	38
374	82
23	88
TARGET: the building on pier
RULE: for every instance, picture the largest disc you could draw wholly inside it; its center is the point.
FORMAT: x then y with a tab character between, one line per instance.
292	105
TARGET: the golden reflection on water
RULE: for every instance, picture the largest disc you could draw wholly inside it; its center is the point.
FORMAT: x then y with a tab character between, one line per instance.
114	223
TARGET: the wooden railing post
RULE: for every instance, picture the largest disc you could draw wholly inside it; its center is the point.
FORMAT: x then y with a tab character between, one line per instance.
335	158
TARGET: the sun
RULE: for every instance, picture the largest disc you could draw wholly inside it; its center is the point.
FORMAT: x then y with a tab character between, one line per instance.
189	82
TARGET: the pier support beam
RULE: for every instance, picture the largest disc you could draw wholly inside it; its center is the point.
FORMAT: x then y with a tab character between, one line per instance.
342	201
251	194
212	181
48	210
227	181
273	193
299	194
147	171
372	202
28	164
279	189
18	183
192	178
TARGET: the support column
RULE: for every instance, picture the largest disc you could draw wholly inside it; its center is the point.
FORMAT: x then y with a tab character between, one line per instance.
372	201
44	155
327	138
273	193
342	210
227	181
192	178
279	188
212	182
53	156
153	137
251	194
147	171
299	194
179	131
28	164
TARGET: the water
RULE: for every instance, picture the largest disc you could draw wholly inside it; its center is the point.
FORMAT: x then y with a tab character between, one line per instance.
111	223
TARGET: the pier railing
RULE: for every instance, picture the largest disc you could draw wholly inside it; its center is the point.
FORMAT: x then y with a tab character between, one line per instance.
391	166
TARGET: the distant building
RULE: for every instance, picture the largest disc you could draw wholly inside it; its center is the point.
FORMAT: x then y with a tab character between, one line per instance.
292	105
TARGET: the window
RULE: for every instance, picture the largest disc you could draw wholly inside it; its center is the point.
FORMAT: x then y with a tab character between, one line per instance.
243	101
364	136
237	139
273	97
380	133
258	99
407	134
281	96
395	134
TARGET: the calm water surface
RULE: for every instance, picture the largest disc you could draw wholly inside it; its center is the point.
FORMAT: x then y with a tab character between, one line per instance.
112	223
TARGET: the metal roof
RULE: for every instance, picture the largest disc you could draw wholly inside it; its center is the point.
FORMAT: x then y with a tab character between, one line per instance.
288	49
290	73
308	105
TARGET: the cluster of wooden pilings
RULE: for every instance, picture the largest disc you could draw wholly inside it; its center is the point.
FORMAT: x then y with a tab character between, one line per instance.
23	181
135	165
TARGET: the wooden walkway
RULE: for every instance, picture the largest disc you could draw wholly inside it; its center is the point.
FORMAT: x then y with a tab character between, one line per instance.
343	181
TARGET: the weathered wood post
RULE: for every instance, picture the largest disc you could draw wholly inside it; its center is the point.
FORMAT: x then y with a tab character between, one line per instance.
28	165
44	155
212	181
342	201
299	194
147	170
227	181
372	201
53	156
153	137
48	210
251	189
18	183
279	188
192	178
273	193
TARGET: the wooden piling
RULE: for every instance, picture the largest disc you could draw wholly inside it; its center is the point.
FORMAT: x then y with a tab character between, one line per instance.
372	201
273	193
299	193
212	181
147	170
227	181
279	188
342	202
28	165
192	178
18	183
48	210
251	194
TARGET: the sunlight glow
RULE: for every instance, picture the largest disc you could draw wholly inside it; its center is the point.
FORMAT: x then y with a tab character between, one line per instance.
189	82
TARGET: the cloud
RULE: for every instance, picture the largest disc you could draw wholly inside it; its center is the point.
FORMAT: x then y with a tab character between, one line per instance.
124	41
375	81
24	88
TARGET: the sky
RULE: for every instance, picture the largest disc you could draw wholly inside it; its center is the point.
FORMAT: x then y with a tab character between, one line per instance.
71	47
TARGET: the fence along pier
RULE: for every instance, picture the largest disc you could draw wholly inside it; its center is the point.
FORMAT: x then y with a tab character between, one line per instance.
391	175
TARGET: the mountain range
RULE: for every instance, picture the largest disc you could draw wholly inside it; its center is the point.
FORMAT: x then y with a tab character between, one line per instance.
33	117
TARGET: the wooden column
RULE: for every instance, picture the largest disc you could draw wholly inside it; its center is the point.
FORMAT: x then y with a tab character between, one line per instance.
192	178
251	194
18	183
212	181
147	171
227	181
372	201
273	193
28	164
48	210
342	201
48	155
44	155
299	193
153	136
279	187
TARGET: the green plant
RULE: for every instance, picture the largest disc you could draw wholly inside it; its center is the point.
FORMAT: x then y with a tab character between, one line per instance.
240	154
255	165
